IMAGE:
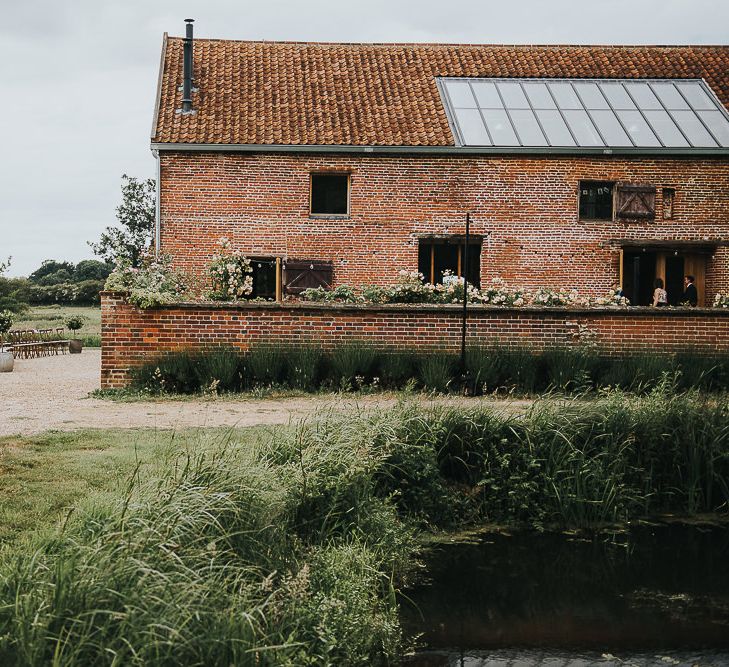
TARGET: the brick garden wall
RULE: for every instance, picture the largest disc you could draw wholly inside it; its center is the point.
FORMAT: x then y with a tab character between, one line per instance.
525	207
131	336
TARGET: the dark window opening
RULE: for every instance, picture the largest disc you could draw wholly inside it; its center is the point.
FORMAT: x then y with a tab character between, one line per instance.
329	194
596	200
264	278
437	256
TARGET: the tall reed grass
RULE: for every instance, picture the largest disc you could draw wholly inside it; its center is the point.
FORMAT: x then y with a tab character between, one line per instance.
291	552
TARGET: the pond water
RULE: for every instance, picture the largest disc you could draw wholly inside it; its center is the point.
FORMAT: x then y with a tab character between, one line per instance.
656	594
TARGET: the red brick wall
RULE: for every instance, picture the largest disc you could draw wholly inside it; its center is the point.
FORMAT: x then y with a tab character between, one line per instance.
131	336
525	207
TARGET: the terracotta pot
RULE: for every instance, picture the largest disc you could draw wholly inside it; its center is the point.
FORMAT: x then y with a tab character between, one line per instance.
6	362
75	346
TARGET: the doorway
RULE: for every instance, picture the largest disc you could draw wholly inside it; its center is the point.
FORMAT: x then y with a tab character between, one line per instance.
639	273
674	279
641	266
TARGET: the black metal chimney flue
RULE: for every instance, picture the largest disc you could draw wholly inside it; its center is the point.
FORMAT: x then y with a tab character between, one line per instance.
187	68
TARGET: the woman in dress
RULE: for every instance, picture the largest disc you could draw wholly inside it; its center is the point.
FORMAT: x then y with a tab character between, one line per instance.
660	296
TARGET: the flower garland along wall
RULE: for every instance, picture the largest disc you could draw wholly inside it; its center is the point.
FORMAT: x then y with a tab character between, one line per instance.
230	274
412	288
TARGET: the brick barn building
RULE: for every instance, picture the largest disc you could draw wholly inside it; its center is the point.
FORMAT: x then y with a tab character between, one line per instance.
582	167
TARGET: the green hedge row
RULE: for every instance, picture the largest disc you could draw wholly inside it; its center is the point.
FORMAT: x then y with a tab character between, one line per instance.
359	365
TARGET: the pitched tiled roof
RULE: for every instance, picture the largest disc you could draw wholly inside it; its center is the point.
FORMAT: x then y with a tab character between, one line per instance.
376	94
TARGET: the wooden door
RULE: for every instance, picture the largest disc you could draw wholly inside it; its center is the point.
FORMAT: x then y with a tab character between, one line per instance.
299	275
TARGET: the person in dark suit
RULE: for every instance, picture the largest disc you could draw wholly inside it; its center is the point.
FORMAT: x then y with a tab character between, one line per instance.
690	295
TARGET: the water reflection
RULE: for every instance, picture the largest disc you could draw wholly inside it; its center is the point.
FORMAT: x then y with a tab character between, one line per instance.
655	588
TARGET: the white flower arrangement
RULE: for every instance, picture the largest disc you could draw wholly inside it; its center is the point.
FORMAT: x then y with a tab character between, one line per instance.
231	274
561	297
721	300
614	298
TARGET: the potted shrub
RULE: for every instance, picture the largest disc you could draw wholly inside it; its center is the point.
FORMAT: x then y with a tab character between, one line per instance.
74	323
6	357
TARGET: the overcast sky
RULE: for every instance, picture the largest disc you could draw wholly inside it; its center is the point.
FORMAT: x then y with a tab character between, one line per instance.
79	77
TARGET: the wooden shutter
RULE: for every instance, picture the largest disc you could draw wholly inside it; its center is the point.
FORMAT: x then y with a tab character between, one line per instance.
299	275
635	202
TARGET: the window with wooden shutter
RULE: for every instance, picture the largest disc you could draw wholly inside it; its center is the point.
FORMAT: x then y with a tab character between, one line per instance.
635	202
299	275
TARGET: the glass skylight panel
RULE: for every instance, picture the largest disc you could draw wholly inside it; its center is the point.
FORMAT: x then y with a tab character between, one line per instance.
555	128
591	96
461	95
487	95
643	96
696	96
565	96
665	128
637	128
610	128
472	128
586	113
582	127
617	96
669	96
513	95
718	124
499	127
539	95
527	127
694	130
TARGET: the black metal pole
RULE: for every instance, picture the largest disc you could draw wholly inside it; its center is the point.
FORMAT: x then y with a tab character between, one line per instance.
465	294
187	67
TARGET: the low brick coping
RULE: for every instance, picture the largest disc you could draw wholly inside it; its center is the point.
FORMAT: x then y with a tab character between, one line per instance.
432	308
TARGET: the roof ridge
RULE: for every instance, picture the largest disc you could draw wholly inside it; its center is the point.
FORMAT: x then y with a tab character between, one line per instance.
459	44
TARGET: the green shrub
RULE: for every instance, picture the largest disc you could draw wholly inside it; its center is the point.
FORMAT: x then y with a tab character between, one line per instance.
13	305
174	373
484	365
87	292
91	340
570	368
220	370
397	368
6	320
75	322
304	367
437	370
637	371
265	364
521	369
352	363
709	372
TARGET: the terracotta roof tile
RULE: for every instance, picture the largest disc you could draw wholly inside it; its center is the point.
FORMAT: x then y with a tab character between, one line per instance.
377	94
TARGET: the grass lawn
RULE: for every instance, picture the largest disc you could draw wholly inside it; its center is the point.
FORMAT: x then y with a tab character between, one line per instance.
42	477
51	317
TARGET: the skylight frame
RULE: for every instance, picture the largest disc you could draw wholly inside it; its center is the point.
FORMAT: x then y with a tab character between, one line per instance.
606	147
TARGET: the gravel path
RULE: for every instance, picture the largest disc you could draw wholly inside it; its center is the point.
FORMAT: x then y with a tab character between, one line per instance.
52	393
